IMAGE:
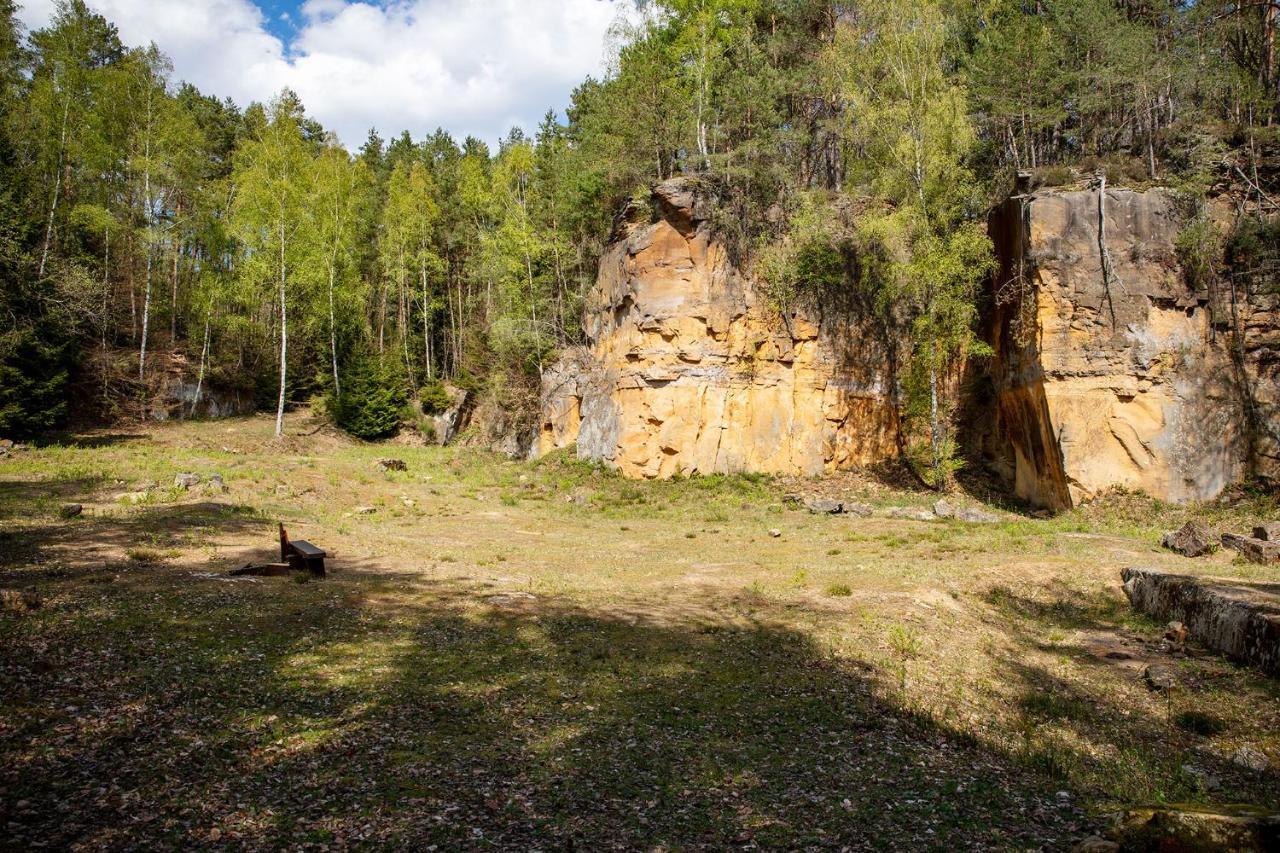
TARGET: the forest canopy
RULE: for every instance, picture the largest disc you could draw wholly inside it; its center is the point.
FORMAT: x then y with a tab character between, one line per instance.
147	227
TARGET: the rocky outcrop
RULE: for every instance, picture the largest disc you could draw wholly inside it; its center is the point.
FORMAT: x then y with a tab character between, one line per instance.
1109	369
688	369
1237	618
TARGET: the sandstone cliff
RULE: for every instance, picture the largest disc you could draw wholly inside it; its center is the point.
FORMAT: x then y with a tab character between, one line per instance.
1109	369
688	369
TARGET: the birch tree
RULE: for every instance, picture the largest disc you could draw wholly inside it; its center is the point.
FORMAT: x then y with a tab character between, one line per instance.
269	208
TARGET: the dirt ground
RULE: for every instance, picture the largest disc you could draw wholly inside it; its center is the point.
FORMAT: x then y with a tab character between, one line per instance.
511	655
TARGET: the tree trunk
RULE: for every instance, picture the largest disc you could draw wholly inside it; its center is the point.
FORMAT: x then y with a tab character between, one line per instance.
284	337
57	186
173	302
146	246
204	354
533	310
333	336
936	436
426	326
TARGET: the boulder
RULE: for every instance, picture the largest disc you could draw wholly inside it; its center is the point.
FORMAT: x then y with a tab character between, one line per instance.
1237	619
1253	550
1268	531
214	485
1201	780
1193	539
823	506
1251	758
859	509
1188	831
186	481
19	601
1159	677
944	509
976	516
70	510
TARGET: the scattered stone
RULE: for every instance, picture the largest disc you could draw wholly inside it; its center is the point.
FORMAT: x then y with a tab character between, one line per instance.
215	485
1193	539
17	601
792	499
976	516
1095	844
1251	758
186	481
1253	550
908	513
1201	780
859	509
1238	620
282	491
409	502
775	532
1176	632
70	510
1268	532
392	465
823	506
1174	829
365	510
1159	677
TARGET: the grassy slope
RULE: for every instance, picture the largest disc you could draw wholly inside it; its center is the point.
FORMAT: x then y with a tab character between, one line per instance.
519	654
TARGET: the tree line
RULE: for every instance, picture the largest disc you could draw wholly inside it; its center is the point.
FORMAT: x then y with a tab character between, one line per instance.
145	224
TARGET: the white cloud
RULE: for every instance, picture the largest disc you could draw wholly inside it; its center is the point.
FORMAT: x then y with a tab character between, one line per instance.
471	67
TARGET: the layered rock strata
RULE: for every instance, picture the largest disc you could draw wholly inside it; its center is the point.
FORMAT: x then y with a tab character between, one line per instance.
1109	369
688	369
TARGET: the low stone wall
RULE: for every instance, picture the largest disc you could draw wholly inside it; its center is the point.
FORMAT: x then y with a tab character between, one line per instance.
1236	618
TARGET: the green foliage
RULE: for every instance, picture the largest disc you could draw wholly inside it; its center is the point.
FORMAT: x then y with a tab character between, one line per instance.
35	365
435	398
374	394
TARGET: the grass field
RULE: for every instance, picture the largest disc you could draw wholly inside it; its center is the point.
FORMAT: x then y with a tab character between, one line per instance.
513	655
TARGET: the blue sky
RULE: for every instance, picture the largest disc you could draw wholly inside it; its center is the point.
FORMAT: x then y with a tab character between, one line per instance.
471	66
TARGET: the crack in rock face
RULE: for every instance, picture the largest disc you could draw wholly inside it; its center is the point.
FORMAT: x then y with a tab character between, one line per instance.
1126	379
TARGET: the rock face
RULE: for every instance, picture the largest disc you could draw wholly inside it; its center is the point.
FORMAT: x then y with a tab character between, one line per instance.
1124	376
688	369
1239	619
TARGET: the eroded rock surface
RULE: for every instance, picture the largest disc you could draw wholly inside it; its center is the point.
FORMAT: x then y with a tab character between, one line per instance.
1123	376
1237	618
688	369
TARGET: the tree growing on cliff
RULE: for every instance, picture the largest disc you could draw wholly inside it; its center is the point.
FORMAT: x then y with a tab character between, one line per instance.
908	117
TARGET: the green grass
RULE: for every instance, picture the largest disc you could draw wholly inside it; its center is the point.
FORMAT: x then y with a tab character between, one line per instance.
499	665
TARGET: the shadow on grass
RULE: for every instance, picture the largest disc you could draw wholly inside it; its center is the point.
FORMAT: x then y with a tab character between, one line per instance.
91	439
1102	732
392	710
24	498
24	550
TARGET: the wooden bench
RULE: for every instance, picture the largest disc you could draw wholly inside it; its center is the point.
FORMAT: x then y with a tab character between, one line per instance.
301	555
